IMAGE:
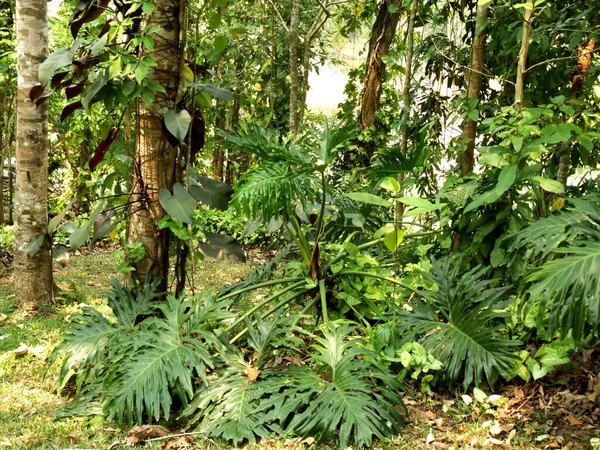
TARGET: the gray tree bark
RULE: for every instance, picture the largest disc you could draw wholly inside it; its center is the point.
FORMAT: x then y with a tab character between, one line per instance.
33	275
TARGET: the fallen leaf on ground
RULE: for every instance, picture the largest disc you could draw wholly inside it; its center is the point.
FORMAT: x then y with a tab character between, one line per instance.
137	435
181	443
21	350
252	372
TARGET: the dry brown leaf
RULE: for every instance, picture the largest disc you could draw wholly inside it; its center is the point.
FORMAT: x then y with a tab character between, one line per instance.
430	415
182	443
252	372
573	420
511	436
139	434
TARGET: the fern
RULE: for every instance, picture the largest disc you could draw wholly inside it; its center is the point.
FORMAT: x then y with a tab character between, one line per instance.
459	324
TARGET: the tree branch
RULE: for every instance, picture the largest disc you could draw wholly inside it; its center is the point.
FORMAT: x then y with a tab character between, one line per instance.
279	16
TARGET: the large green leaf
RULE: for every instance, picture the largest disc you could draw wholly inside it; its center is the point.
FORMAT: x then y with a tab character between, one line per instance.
81	234
179	205
549	185
460	322
98	84
507	177
178	123
60	58
215	91
212	193
370	199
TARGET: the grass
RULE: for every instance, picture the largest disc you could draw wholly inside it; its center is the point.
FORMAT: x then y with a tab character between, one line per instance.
531	417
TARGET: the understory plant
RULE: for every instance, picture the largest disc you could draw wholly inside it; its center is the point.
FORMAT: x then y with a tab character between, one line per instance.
158	359
336	394
559	256
461	323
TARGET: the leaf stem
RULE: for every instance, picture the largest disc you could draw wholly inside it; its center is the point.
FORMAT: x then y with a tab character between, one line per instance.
263	303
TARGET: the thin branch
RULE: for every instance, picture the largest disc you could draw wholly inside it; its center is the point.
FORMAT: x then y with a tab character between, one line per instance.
456	63
562	58
280	16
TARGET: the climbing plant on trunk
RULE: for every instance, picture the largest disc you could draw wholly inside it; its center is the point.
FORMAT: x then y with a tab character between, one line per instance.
155	158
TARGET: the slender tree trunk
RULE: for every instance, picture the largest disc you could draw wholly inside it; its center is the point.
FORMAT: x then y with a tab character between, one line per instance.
9	168
406	102
155	159
523	53
294	79
382	34
474	79
318	23
9	116
33	275
584	60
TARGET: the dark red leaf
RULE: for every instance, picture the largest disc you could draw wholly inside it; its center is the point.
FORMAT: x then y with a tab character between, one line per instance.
69	109
199	69
75	27
81	6
57	79
42	99
94	11
198	134
36	92
74	91
85	12
105	28
103	148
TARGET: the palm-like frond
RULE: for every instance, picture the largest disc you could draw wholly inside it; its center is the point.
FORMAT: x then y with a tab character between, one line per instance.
227	407
334	140
84	347
545	235
390	162
567	285
162	359
276	187
268	145
87	340
459	324
130	303
347	395
570	287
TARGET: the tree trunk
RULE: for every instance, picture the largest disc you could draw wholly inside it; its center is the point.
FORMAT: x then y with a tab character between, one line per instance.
294	79
584	60
523	52
318	23
33	275
382	34
474	78
406	103
155	159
